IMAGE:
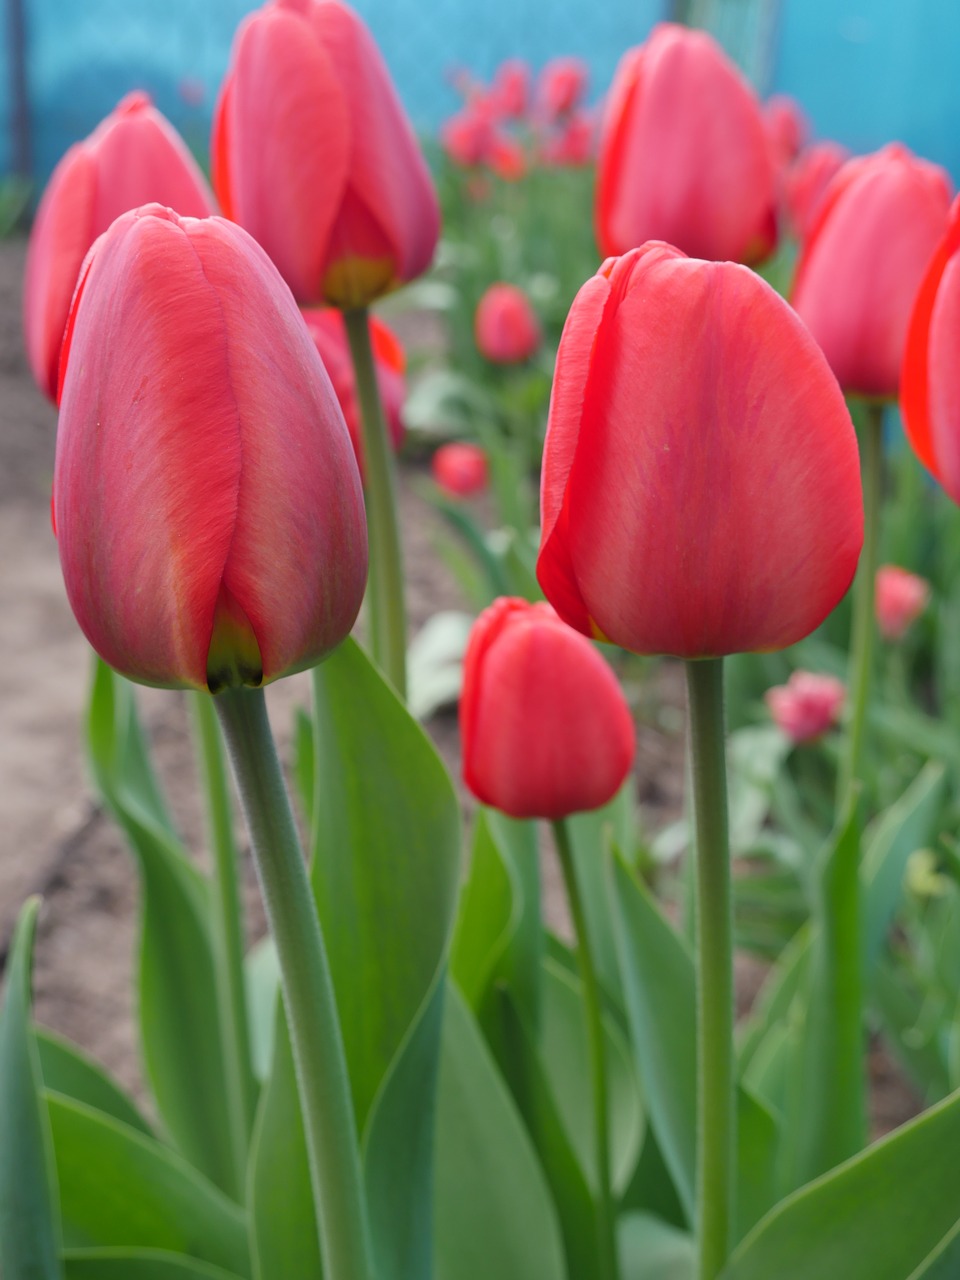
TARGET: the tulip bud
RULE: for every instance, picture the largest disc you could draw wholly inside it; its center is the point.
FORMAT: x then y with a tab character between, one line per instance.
700	491
806	182
931	378
684	155
806	706
506	326
330	336
460	469
561	87
133	157
545	727
510	91
207	504
314	156
899	599
786	126
862	262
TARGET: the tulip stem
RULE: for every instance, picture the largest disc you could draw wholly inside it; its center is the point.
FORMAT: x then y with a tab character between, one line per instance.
308	995
607	1264
240	1084
716	1131
385	599
863	626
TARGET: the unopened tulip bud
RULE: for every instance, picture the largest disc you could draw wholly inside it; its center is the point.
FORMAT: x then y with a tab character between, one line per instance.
807	706
460	469
506	326
899	599
545	727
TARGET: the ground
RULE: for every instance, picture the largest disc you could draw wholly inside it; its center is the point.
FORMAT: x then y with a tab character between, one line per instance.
58	843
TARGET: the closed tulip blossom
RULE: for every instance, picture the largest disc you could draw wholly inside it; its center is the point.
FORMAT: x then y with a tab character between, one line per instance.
806	182
313	154
899	600
862	262
133	157
561	87
328	333
787	127
460	469
700	491
505	325
807	706
684	155
207	503
546	730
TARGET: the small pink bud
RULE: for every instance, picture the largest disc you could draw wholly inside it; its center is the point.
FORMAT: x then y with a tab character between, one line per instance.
900	598
506	326
807	705
460	469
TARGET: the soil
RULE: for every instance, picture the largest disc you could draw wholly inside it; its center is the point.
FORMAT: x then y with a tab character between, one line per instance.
59	843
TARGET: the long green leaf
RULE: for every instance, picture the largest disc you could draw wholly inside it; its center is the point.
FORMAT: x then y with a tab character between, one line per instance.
29	1219
523	956
881	1215
138	1264
654	1250
489	914
65	1069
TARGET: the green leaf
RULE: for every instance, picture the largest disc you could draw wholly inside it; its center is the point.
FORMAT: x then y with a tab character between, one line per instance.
118	1187
303	763
29	1226
263	992
915	1038
494	1214
523	957
488	915
386	860
179	1023
283	1224
880	1215
138	1264
653	1250
65	1069
944	1262
435	662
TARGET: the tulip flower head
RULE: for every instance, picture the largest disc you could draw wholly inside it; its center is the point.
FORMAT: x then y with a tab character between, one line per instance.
561	87
899	599
700	491
510	91
545	728
862	263
931	378
207	503
506	326
787	127
329	333
806	182
807	706
684	155
313	154
460	469
133	157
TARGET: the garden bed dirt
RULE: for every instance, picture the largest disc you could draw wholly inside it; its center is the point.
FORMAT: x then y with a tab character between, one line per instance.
58	843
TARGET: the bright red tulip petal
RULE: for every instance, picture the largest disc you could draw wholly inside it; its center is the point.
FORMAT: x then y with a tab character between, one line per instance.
944	380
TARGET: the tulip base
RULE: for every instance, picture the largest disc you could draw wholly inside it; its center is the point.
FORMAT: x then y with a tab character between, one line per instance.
716	1128
308	994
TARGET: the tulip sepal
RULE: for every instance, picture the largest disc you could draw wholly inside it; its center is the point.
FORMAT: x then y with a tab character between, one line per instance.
308	994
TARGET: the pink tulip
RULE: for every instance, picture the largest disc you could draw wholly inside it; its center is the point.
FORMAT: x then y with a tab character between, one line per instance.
787	128
573	144
467	137
684	155
330	336
862	262
546	730
510	91
506	326
807	706
207	503
899	599
314	156
134	156
561	86
806	181
460	469
700	492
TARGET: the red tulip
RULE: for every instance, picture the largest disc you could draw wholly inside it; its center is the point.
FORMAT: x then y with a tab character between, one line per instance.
787	127
134	156
510	91
806	182
330	336
700	491
807	705
863	260
684	155
314	156
931	379
573	143
506	156
467	137
460	469
207	503
899	599
545	728
506	326
561	86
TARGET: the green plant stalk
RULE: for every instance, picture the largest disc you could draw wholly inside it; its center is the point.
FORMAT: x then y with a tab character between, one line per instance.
863	626
388	621
716	1127
322	1080
607	1262
240	1083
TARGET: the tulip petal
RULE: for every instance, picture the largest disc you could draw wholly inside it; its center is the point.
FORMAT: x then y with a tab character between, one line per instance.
943	380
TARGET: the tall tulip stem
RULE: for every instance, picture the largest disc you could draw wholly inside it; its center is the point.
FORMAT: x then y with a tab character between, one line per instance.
716	1131
388	623
607	1265
308	993
240	1084
863	627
